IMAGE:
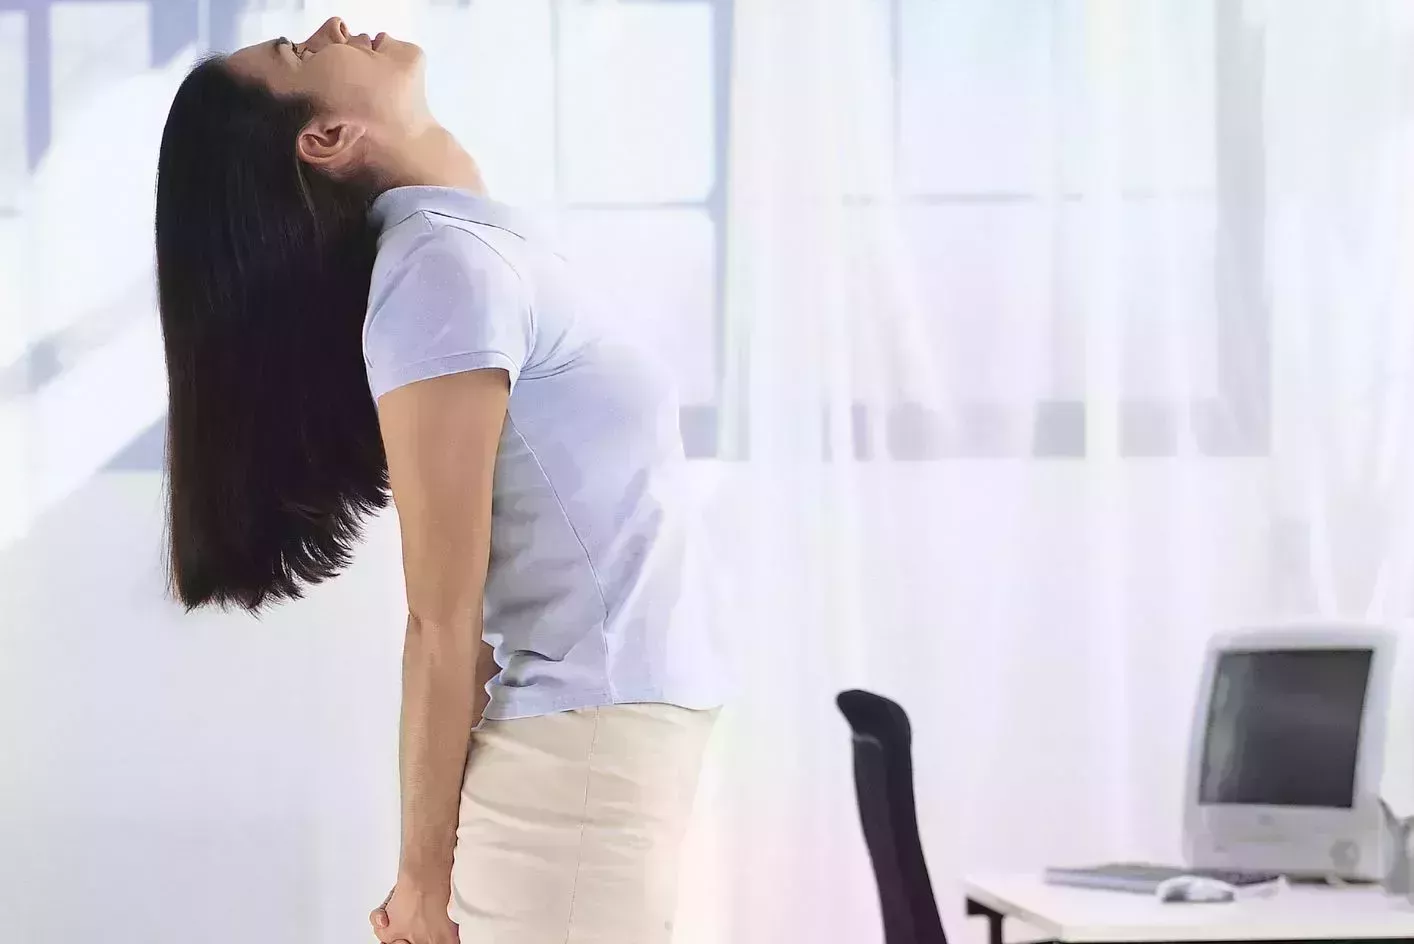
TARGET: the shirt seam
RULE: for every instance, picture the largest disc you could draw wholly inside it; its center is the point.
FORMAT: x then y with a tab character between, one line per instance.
401	220
455	355
420	241
525	294
588	558
385	381
466	219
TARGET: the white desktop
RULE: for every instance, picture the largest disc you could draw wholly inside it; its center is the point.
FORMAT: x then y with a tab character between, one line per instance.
1286	769
1301	767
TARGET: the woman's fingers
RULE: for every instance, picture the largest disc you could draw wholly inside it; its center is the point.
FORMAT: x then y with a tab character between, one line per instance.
379	919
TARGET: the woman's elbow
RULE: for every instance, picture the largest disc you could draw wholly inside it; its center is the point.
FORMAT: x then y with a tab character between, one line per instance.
444	630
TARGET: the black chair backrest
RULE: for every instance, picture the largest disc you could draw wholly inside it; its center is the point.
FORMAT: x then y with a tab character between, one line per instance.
883	781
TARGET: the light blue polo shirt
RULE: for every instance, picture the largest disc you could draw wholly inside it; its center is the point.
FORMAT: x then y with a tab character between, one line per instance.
592	595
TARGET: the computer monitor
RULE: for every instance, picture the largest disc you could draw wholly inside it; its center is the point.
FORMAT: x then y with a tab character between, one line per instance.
1288	751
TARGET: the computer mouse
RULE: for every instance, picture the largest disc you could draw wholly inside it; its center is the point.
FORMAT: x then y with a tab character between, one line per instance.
1195	888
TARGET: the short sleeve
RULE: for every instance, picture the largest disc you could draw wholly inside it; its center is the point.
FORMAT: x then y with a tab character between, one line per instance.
450	304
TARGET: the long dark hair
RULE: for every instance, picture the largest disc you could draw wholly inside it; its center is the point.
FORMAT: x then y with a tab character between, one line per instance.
263	268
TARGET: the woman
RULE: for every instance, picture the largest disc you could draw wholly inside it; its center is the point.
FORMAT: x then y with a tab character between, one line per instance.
345	312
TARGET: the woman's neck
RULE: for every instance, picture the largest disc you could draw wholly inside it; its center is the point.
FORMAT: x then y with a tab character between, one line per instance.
432	157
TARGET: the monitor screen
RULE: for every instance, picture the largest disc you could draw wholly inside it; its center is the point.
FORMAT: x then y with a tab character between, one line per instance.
1284	727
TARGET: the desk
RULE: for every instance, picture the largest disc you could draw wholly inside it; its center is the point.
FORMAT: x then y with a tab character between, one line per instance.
1090	916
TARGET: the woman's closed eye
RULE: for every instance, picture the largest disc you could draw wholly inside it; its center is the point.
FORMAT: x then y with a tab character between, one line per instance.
298	50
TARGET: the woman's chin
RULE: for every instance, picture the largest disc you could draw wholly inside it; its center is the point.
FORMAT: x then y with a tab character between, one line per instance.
397	48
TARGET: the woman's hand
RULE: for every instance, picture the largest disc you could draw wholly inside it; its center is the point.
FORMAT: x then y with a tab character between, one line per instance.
411	916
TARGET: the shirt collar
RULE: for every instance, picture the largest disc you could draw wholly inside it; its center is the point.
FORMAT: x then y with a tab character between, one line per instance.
393	206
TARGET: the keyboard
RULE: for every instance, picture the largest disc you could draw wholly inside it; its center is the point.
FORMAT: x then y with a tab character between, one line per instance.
1145	878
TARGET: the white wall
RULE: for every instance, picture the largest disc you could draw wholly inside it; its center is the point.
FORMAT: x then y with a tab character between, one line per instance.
171	776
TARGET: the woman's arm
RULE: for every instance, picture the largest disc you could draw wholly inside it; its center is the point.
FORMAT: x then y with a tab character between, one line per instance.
441	437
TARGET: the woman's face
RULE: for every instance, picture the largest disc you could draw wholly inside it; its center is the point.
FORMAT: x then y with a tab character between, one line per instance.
376	85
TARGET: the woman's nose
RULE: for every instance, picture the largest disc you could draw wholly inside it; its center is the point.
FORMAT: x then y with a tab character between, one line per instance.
333	31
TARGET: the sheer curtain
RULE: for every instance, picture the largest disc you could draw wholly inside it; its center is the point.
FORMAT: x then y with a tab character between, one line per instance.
1059	335
1339	229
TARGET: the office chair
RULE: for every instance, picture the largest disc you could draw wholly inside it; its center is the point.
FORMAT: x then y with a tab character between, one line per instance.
883	783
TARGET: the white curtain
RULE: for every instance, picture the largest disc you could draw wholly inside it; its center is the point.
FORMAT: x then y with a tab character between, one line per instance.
1339	165
1060	336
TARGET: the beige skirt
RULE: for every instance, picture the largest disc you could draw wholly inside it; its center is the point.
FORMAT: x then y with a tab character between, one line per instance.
571	825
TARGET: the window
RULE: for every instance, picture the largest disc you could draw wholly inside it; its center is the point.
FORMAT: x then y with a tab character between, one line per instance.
998	225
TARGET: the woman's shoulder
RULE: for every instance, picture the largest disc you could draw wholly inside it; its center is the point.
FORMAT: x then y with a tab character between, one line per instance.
427	243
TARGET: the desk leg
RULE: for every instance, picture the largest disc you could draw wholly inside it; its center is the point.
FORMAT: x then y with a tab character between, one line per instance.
994	918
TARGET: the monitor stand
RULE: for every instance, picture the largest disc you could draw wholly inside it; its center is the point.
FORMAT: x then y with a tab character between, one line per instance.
1400	878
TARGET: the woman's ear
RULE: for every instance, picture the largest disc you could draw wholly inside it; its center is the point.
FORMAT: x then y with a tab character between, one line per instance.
328	144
